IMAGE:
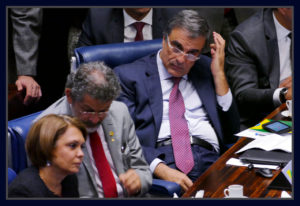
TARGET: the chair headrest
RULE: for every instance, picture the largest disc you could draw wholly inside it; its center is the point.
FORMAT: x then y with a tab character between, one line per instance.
117	53
22	125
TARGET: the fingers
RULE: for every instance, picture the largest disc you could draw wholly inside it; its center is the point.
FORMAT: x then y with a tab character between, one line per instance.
131	182
164	172
19	85
33	93
218	46
185	183
33	89
286	82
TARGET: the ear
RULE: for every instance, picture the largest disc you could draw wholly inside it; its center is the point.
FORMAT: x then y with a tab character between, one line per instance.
68	95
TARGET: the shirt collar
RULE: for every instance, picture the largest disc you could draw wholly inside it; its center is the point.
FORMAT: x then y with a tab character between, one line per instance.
128	20
281	31
163	73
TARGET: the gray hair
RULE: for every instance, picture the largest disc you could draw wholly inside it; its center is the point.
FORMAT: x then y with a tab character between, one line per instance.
95	79
191	21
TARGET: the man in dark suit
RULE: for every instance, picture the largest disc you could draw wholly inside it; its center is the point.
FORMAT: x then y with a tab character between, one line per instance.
258	65
113	25
207	111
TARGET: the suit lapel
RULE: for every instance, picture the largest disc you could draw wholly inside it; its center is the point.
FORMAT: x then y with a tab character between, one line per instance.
114	144
272	46
157	20
153	87
117	26
87	164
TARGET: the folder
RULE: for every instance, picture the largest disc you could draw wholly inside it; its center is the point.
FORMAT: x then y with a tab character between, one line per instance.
259	156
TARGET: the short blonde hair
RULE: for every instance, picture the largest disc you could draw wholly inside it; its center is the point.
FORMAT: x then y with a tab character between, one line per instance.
44	133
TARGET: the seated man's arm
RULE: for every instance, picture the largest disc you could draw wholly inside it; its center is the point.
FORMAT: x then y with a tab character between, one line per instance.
137	179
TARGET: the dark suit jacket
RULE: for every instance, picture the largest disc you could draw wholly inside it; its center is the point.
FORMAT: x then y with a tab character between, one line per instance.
141	92
105	26
29	184
252	66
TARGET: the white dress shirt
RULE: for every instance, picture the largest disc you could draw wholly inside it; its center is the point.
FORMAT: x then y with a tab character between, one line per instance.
195	114
130	31
110	161
284	43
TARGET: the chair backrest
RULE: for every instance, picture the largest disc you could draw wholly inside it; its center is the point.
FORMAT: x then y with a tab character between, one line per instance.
117	53
11	175
18	129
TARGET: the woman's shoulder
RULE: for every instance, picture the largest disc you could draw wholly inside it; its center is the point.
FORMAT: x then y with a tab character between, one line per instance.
27	184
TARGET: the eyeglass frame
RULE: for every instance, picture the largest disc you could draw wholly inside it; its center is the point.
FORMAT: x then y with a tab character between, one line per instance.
178	51
92	114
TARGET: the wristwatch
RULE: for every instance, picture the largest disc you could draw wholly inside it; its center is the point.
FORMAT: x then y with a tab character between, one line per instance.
282	95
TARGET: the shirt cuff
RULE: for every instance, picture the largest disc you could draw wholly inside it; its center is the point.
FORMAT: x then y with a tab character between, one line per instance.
276	97
154	164
225	101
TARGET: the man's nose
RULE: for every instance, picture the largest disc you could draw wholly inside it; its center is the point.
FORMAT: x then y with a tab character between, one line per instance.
180	59
95	119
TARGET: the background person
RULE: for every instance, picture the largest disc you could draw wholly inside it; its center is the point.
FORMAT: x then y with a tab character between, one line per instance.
26	31
54	146
259	64
117	25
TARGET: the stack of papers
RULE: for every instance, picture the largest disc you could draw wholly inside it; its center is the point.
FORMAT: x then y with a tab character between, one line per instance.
270	142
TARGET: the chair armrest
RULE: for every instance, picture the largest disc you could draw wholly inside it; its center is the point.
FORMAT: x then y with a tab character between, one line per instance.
11	175
164	188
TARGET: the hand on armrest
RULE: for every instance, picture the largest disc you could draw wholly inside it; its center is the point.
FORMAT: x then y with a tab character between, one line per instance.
164	172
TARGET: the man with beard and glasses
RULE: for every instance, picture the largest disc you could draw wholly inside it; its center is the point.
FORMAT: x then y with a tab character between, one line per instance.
180	101
113	165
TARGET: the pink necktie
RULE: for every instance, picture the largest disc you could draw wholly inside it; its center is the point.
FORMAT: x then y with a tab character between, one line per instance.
103	167
179	130
139	28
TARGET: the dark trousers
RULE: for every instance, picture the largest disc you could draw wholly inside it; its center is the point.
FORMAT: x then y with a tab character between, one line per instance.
203	158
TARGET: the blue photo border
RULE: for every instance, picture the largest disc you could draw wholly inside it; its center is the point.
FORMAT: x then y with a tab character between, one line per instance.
90	3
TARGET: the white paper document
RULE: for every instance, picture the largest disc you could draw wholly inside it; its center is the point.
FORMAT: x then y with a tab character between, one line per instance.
270	142
250	133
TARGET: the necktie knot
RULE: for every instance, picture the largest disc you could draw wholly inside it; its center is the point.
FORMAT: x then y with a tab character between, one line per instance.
139	28
176	80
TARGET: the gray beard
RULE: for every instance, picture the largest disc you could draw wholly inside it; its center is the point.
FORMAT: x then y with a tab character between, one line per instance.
92	129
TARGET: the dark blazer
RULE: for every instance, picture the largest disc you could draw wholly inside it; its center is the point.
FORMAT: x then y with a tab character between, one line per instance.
252	66
141	92
29	184
105	26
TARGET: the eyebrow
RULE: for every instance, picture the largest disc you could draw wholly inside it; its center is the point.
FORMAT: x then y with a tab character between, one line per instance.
88	108
179	46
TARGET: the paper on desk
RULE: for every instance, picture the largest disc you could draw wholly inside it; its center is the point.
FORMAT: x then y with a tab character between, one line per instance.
252	133
238	162
270	142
